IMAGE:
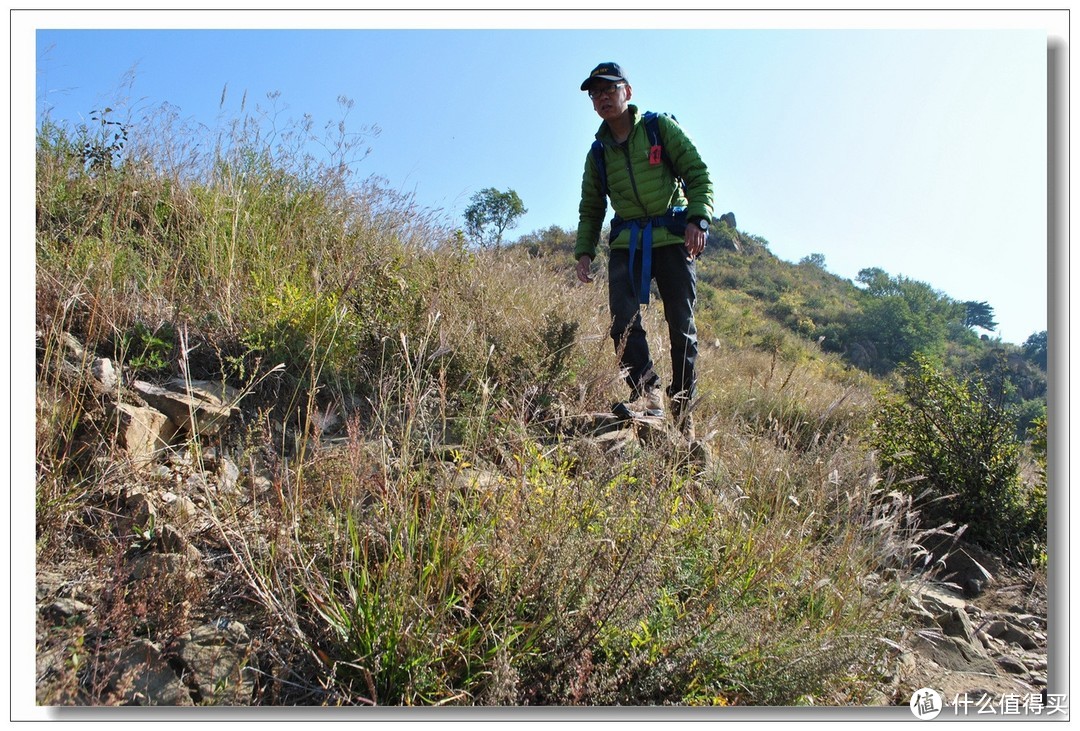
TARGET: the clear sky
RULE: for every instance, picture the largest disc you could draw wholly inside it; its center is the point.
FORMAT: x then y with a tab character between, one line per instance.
913	143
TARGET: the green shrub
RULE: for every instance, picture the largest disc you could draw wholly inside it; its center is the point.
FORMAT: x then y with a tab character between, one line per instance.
954	440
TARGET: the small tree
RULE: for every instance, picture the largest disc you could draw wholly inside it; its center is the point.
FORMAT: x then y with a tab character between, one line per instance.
101	151
490	214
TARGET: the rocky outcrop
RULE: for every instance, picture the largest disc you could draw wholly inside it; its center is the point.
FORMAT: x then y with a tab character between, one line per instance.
163	519
193	407
969	647
161	515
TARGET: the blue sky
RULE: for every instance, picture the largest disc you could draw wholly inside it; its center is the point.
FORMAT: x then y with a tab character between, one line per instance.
908	146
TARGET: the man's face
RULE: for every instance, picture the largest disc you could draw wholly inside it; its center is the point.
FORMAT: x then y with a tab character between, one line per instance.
610	98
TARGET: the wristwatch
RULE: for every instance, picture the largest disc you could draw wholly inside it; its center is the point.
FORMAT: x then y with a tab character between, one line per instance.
703	224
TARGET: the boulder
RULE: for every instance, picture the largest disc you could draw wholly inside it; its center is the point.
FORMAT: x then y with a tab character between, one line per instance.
217	655
141	676
228	475
965	565
141	431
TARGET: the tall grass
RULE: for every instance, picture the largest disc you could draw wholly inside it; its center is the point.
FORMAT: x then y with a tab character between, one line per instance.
458	543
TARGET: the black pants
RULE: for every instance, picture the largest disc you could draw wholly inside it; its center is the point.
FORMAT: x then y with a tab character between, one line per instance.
676	278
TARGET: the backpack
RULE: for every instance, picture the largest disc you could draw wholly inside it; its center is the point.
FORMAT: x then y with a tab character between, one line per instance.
657	151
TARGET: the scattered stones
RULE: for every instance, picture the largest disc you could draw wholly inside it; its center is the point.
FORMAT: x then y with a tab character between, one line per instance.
960	648
954	645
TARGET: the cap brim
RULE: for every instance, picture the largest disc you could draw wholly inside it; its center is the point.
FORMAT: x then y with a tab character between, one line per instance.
586	82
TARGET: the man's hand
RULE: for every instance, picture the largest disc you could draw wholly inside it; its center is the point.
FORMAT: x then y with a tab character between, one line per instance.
695	241
584	268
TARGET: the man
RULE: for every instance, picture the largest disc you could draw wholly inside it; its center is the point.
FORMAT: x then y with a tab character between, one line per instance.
663	201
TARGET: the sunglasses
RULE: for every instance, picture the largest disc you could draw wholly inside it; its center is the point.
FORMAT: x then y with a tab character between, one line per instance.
595	94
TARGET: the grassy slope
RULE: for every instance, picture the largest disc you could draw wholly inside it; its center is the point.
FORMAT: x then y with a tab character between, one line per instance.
515	561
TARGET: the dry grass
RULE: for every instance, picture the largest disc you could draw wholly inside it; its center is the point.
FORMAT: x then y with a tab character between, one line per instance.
457	545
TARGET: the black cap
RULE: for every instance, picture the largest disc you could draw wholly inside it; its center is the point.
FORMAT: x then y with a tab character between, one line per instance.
609	71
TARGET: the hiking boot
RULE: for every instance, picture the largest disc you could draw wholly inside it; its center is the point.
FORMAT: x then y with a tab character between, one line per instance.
654	403
649	404
684	420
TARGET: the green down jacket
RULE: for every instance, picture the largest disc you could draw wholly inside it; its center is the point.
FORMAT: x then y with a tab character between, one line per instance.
640	190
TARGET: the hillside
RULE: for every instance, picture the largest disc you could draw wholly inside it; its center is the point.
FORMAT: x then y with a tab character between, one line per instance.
298	444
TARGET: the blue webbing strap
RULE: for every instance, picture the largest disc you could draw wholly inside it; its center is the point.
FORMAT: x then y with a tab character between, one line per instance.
641	293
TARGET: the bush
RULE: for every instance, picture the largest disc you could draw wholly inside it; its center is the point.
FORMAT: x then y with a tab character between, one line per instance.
954	441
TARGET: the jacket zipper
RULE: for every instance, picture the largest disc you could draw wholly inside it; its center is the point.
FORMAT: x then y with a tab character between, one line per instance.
630	170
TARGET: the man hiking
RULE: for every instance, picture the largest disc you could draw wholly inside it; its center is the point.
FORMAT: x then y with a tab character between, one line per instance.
663	202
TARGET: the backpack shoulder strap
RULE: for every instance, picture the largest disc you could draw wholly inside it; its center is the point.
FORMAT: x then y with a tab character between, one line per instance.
652	128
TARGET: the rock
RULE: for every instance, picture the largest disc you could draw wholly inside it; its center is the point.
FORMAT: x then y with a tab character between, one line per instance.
1034	663
73	347
228	475
965	565
142	677
217	656
151	565
142	432
955	623
198	408
103	371
1031	621
180	510
614	440
1010	633
1011	664
594	424
471	478
263	484
171	540
139	509
953	653
64	609
968	647
197	484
